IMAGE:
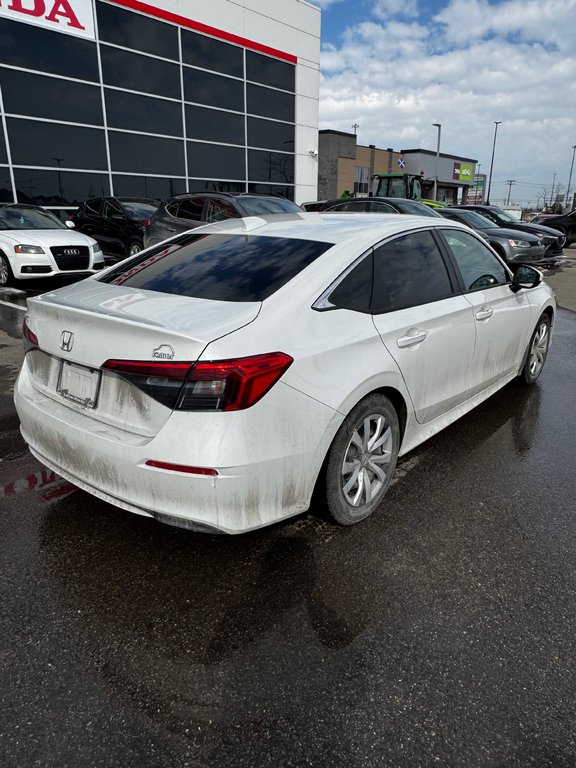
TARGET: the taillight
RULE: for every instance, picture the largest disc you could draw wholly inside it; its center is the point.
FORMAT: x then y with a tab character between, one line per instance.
30	340
222	385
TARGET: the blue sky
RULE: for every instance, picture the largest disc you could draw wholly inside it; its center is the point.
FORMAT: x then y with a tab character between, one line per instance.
394	67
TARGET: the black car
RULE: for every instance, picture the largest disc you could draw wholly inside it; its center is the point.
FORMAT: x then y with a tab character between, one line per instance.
372	205
552	239
117	223
513	246
187	211
563	222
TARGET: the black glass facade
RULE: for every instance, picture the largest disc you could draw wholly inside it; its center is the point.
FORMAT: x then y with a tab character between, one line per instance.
149	109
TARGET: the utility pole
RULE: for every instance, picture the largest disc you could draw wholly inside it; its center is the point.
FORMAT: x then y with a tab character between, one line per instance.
510	182
496	124
552	192
355	128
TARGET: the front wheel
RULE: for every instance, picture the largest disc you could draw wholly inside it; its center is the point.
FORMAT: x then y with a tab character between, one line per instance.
361	460
6	276
537	351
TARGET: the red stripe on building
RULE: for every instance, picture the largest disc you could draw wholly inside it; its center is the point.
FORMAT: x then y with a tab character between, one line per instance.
197	26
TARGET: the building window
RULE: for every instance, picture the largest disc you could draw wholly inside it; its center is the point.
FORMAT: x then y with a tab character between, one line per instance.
143	113
136	153
214	125
52	144
147	186
132	30
213	90
205	52
361	180
140	73
58	187
206	160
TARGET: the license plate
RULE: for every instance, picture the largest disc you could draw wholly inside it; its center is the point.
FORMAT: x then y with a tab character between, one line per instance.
79	384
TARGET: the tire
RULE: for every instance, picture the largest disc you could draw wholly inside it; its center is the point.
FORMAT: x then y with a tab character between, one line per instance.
361	460
537	351
6	275
133	248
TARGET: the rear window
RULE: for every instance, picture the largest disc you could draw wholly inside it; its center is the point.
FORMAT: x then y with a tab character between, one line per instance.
219	267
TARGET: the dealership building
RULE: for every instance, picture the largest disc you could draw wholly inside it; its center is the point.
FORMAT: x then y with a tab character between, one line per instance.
121	97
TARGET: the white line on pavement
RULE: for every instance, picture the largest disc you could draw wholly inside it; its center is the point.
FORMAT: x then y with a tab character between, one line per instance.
13	306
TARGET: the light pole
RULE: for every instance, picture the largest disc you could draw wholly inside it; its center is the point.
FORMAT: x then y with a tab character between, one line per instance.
439	127
570	177
496	124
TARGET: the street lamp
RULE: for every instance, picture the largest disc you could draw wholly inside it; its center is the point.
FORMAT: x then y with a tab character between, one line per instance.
570	177
496	124
439	126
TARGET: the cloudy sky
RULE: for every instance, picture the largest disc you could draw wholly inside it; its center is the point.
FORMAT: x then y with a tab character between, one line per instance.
394	67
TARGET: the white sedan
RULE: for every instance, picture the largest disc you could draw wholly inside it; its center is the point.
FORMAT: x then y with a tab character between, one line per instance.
216	380
34	244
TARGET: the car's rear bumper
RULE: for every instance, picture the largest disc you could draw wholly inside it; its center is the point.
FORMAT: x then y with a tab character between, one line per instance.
266	467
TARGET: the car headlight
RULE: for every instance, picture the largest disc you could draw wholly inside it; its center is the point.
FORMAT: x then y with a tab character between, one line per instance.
28	249
97	251
519	243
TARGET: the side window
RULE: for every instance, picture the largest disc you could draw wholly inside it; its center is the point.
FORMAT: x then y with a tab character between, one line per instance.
190	209
172	208
113	210
409	271
358	206
377	206
217	210
478	266
355	290
94	207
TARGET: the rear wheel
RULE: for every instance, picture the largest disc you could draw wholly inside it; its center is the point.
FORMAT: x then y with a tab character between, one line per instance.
134	247
537	351
361	460
6	276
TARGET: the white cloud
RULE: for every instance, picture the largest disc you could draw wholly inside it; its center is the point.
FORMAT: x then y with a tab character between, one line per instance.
387	9
473	64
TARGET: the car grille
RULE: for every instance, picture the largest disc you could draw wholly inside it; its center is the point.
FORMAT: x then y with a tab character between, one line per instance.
71	257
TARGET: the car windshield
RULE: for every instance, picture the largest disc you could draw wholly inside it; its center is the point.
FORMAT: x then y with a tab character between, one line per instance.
136	210
28	218
239	268
254	206
475	220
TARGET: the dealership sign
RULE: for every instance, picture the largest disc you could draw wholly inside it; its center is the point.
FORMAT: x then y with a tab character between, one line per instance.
463	172
73	16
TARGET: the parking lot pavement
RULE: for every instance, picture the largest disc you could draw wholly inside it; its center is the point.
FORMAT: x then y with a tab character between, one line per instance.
563	280
441	631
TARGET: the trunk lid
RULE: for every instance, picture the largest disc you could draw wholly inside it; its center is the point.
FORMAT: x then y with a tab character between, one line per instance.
82	326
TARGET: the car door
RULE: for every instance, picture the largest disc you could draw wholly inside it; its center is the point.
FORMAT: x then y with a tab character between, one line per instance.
115	228
502	318
424	322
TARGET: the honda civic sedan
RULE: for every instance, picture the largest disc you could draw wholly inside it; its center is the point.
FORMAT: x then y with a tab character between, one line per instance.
217	380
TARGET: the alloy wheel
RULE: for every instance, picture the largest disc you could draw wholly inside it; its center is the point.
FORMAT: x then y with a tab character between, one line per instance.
366	461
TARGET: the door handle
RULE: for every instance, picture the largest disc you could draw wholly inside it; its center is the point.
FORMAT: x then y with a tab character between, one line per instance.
412	338
484	313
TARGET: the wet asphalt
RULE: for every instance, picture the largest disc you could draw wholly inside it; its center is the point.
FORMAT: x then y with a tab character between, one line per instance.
441	631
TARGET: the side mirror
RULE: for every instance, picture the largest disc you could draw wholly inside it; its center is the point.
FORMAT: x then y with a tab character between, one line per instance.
526	277
70	224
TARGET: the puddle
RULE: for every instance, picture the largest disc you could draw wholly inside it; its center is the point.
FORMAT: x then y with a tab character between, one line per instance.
46	484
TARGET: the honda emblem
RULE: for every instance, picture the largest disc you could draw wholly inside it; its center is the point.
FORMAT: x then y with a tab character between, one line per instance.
67	341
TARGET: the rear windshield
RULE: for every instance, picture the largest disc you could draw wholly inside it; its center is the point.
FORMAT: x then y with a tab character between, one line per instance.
218	267
255	206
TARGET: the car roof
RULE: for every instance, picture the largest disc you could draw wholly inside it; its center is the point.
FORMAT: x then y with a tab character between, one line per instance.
326	227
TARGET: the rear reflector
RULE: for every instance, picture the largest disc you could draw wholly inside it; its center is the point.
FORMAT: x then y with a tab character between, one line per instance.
221	385
181	468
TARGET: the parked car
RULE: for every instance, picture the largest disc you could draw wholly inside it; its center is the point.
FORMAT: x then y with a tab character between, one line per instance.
552	239
216	380
373	205
183	212
118	223
563	222
34	243
511	245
